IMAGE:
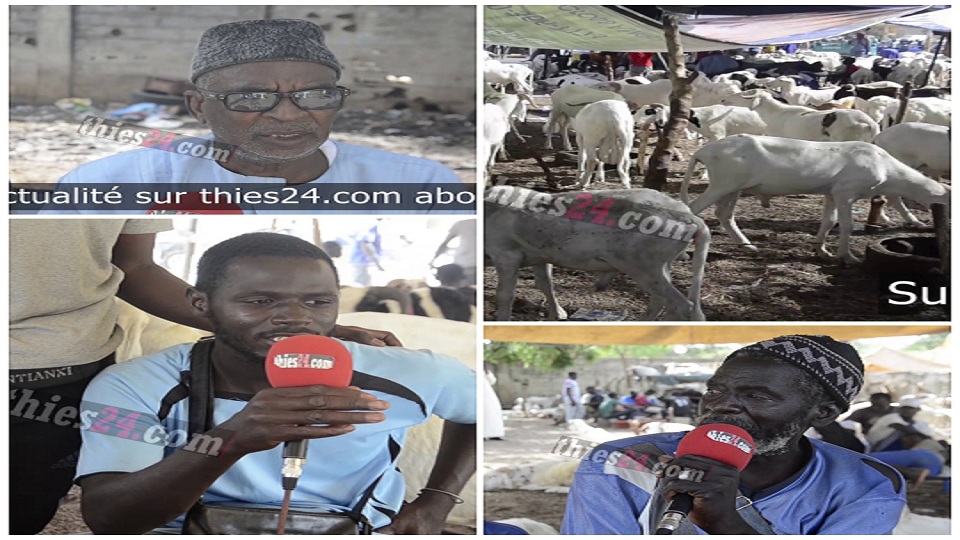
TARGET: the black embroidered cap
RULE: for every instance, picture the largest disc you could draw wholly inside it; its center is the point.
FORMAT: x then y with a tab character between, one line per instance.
835	364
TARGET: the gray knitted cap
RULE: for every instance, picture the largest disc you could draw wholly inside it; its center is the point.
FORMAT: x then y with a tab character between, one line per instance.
271	40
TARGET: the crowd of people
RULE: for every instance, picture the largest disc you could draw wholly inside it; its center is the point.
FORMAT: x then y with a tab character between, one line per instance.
595	405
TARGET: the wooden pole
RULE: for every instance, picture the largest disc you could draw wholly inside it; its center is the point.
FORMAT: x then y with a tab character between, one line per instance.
680	99
904	101
941	223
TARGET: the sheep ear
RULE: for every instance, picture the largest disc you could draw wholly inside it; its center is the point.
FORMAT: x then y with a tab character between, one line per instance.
614	86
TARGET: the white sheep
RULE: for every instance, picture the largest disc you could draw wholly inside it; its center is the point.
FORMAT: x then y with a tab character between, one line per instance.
926	109
797	122
801	95
842	171
496	125
718	121
498	73
638	232
515	107
642	94
705	91
567	103
925	147
875	107
604	135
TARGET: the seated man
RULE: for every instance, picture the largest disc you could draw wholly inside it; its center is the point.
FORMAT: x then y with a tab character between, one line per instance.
268	91
612	408
774	390
255	290
921	457
887	430
591	401
879	407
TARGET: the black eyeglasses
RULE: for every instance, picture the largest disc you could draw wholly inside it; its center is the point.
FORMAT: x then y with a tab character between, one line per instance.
310	100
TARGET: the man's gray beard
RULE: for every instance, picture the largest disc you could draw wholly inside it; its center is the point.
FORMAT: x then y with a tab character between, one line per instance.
763	446
778	445
259	159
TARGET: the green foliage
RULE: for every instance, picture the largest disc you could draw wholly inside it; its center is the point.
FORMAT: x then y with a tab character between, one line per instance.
927	342
544	357
559	357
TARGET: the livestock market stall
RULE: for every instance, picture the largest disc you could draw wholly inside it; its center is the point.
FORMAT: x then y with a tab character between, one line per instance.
787	279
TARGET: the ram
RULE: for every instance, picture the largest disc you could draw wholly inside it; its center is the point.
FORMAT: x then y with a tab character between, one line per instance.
844	172
637	232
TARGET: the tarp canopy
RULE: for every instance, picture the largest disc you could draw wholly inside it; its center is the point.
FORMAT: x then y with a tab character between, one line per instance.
568	334
615	28
890	361
589	28
938	21
789	28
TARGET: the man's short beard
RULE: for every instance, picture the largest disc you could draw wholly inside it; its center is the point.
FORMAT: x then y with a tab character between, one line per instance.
780	443
767	444
243	154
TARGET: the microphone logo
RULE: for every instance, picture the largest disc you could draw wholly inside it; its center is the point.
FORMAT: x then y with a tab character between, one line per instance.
729	438
303	360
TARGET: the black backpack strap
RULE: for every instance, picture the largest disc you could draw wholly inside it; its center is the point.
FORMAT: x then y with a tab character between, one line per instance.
200	384
176	394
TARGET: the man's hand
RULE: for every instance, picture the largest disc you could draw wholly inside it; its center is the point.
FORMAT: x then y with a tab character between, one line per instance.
277	415
365	336
714	496
426	515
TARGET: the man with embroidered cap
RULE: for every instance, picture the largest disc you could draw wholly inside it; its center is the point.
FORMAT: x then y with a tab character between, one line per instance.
268	91
775	390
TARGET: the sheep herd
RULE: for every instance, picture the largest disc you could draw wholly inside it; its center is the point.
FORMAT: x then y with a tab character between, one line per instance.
763	134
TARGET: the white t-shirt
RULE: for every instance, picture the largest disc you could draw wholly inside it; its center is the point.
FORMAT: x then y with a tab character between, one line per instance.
881	429
574	389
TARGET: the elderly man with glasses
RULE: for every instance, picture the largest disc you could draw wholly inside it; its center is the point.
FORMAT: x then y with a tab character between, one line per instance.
268	91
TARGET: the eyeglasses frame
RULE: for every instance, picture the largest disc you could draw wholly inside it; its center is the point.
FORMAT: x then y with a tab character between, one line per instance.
222	97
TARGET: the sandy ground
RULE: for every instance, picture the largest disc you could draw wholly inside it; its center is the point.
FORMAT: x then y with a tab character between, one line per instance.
526	440
45	144
531	439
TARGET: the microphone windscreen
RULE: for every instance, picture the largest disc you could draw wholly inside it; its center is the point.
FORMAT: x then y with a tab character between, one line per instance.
720	442
192	203
306	360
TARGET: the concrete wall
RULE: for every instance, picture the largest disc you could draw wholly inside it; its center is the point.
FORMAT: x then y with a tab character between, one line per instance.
106	52
514	381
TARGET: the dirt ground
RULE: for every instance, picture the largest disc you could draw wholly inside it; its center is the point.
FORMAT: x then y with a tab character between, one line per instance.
787	280
530	439
68	519
45	145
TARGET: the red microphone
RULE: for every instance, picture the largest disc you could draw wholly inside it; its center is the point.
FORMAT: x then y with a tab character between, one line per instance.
725	443
305	360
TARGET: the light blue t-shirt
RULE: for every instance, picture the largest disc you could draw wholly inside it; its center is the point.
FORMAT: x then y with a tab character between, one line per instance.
417	384
836	493
349	164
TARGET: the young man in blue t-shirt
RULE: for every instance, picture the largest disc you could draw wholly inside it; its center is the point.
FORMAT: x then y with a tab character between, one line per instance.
255	290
